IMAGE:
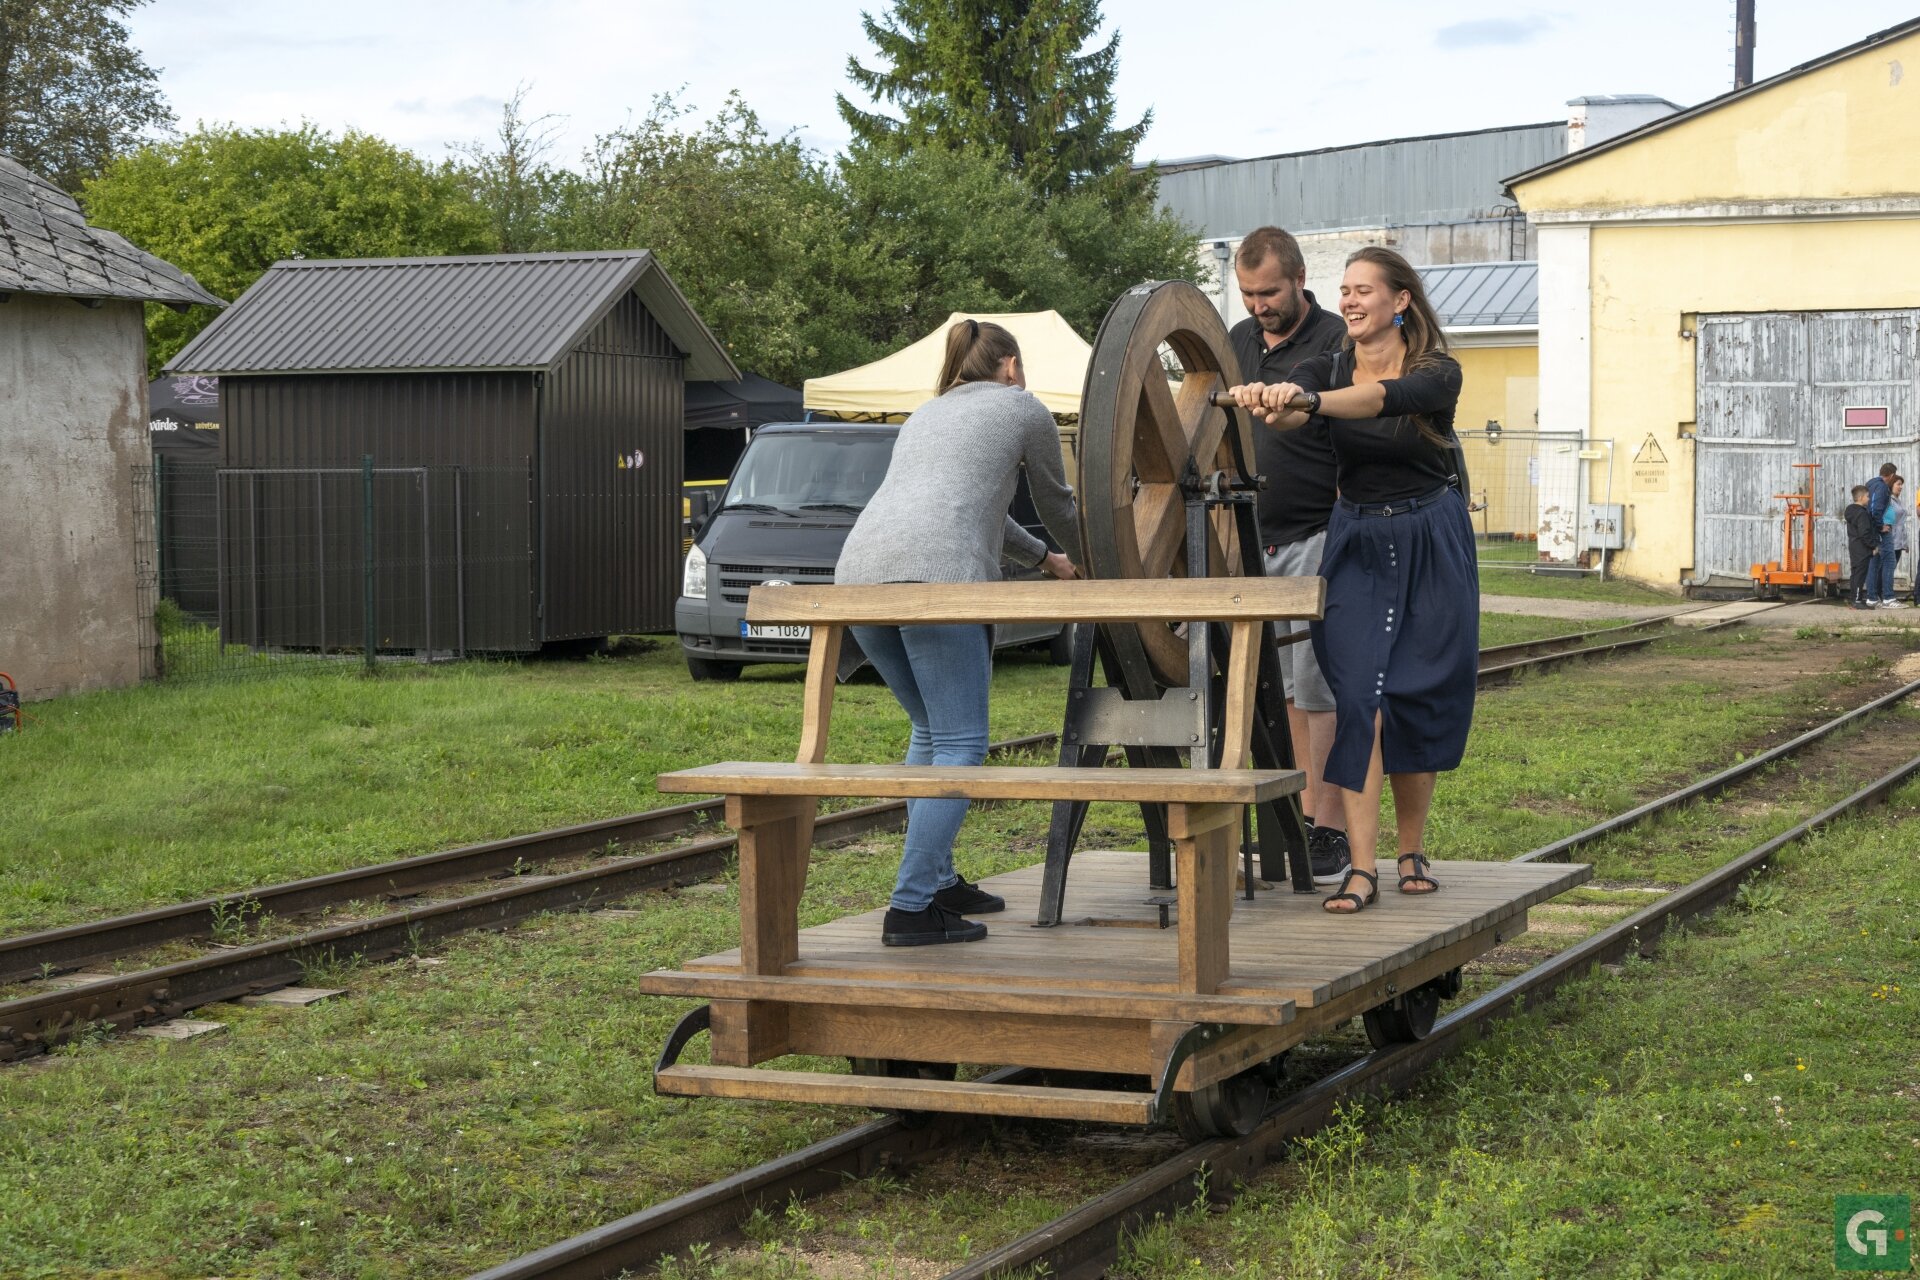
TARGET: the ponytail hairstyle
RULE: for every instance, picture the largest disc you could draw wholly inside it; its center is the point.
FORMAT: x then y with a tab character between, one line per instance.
975	349
1420	326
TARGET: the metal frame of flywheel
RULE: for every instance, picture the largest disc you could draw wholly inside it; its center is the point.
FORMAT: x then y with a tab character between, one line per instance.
1152	725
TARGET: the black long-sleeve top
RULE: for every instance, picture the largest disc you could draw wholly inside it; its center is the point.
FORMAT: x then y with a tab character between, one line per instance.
1387	459
1863	529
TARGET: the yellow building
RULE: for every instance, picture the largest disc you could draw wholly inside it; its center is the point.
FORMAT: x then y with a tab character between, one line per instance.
1490	311
1735	289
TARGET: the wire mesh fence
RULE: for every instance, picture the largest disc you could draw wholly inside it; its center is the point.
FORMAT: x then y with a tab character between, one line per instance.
248	571
1535	506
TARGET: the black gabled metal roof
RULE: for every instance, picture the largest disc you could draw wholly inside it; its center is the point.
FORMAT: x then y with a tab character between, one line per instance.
46	247
509	311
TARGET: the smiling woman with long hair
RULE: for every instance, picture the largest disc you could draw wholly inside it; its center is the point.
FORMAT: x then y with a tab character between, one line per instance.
1400	638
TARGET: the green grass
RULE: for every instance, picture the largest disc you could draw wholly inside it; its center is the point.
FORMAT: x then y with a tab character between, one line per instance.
443	1118
1693	1116
1497	581
1511	628
168	792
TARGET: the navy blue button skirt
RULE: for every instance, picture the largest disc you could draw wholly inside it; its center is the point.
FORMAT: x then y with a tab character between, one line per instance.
1401	635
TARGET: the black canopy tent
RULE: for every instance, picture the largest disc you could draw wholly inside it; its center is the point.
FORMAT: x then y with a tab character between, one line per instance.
719	416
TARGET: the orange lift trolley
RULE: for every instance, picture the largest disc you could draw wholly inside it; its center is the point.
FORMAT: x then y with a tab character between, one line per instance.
1796	566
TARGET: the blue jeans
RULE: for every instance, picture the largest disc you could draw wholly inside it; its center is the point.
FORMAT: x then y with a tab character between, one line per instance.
940	675
1880	583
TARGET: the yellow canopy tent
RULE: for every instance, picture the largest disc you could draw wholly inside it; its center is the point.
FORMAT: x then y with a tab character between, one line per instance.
889	389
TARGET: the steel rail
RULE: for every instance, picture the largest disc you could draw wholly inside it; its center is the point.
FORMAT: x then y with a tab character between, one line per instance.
1575	637
1072	1244
74	946
641	1239
31	1023
71	947
1506	670
1084	1242
1560	849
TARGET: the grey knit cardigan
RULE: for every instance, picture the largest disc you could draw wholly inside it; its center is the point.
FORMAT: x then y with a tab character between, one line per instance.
940	515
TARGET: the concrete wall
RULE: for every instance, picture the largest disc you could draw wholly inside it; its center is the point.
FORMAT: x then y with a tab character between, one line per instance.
1326	252
73	425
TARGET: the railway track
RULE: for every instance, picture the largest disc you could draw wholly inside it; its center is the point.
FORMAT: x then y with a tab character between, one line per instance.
1083	1242
39	1019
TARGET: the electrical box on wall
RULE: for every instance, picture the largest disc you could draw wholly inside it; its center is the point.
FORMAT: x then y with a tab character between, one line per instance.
1605	526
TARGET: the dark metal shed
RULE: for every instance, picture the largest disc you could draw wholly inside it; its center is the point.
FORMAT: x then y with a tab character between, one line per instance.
523	414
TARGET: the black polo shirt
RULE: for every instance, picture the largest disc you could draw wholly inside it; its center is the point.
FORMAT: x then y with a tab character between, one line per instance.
1299	465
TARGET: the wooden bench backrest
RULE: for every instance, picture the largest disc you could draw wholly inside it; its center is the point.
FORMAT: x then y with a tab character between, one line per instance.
1247	603
1123	600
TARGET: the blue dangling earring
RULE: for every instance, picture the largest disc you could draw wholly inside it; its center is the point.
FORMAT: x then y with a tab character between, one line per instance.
1399	320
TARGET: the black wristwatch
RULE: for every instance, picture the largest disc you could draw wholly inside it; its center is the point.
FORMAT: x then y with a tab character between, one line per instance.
1315	407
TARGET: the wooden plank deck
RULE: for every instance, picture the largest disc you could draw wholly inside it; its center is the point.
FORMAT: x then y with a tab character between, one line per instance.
1283	945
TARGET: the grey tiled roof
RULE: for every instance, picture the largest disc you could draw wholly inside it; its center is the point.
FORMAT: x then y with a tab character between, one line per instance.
47	247
1473	294
522	311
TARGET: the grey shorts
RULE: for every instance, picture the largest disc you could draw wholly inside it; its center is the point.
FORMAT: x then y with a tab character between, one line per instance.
1300	674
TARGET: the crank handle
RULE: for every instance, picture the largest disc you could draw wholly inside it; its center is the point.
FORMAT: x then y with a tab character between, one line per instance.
1225	400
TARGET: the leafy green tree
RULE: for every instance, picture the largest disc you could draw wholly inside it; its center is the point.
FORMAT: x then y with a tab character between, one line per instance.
969	236
753	228
513	181
73	92
226	203
1012	76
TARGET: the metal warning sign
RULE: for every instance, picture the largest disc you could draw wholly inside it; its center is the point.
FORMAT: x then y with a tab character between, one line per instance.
1648	472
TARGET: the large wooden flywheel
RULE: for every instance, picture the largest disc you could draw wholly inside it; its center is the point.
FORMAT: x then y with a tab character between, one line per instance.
1140	428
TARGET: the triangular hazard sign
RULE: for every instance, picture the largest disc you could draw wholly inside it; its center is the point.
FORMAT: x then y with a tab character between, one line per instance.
1650	451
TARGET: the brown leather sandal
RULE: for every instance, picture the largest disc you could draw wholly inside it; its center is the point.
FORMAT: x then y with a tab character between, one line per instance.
1359	903
1420	867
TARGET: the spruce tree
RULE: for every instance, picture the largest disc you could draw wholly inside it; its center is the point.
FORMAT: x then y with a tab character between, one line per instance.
1012	76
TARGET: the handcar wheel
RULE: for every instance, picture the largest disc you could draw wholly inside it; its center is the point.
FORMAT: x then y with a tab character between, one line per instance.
1228	1108
1404	1019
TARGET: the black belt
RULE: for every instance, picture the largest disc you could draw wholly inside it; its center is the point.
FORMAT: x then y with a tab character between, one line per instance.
1399	507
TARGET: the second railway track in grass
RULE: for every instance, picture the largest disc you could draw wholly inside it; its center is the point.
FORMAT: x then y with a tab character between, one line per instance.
46	1014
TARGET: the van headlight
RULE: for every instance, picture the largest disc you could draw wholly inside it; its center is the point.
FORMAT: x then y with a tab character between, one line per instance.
694	585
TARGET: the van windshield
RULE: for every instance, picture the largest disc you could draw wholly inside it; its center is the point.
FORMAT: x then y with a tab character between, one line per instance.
795	469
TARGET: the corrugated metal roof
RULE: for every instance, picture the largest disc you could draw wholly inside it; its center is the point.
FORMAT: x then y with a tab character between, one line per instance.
1449	177
1472	294
46	247
512	311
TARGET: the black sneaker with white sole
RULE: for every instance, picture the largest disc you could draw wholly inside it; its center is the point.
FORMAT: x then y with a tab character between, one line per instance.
1328	854
965	898
928	928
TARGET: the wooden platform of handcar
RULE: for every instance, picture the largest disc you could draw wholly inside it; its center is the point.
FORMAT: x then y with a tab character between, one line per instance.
1099	993
1193	988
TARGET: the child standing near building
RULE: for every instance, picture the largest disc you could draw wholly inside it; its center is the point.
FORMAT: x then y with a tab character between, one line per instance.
1863	544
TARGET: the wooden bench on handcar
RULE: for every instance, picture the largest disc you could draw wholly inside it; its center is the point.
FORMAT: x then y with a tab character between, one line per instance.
762	1010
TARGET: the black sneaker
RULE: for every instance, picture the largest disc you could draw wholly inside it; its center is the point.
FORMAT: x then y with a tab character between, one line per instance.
967	899
1328	854
926	928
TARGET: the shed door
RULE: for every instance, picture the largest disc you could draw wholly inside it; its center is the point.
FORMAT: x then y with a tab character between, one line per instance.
1773	390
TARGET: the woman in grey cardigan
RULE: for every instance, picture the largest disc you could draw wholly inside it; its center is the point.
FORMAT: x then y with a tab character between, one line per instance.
941	516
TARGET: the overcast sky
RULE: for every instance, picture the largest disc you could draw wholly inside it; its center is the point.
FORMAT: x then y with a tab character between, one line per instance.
1239	79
